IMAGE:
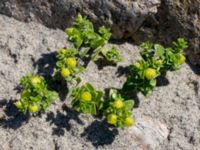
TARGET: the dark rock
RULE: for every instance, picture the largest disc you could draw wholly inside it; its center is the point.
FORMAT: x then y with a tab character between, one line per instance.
139	19
124	17
175	18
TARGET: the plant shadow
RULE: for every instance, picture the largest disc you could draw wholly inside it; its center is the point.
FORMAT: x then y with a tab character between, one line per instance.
122	70
18	88
121	41
99	133
61	120
132	95
61	87
162	81
85	61
195	69
45	64
101	63
13	118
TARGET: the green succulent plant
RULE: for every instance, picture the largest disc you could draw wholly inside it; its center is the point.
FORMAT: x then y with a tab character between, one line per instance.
86	99
35	96
89	42
118	110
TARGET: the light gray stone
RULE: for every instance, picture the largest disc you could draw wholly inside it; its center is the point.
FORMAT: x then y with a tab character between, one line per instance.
149	133
175	18
198	89
154	20
123	16
27	47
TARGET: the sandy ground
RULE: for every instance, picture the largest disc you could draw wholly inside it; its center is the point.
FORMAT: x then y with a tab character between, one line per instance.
24	48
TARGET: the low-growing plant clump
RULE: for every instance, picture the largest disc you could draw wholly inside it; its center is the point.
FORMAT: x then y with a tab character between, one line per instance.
66	66
91	43
142	77
171	58
117	110
86	99
156	61
35	95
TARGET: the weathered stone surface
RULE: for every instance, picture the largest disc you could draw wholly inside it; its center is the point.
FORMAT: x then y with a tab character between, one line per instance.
148	133
198	88
184	18
139	19
27	47
175	18
123	16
